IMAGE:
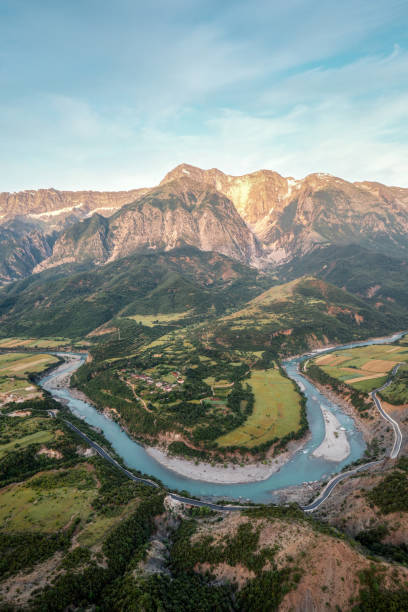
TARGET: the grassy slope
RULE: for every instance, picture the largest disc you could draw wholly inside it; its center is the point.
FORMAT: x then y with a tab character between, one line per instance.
185	279
382	281
306	312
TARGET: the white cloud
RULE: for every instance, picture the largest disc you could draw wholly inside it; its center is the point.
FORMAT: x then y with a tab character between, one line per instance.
244	86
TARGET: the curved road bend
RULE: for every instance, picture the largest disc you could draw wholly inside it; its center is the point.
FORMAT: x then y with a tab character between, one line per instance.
309	508
397	431
393	454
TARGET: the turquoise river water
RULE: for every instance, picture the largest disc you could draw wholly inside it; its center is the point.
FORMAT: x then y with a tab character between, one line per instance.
301	468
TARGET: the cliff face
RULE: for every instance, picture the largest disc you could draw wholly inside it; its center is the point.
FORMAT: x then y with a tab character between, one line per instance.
292	217
51	205
259	218
255	195
179	212
22	247
31	220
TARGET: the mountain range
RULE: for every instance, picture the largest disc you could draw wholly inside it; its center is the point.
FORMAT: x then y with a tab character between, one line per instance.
261	219
206	243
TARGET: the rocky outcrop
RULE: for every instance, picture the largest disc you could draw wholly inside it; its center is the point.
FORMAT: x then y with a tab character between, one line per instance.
51	205
22	247
179	212
291	217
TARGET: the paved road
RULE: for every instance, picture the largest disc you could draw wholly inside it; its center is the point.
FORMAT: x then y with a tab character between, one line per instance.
393	454
105	455
334	482
397	431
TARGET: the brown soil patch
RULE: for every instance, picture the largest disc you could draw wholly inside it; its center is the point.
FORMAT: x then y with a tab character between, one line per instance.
350	381
331	360
397	410
50	452
18	589
379	365
101	331
329	566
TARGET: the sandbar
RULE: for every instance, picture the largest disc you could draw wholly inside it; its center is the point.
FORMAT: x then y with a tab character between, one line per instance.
335	446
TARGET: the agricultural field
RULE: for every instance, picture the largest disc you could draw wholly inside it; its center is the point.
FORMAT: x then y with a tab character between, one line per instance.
150	320
363	368
276	411
14	371
40	343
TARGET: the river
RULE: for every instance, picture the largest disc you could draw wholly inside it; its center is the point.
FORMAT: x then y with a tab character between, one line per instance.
301	468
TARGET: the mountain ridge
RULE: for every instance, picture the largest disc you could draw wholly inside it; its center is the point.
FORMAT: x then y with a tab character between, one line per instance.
180	212
260	218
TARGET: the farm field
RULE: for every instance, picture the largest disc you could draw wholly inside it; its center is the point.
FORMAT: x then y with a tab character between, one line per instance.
363	368
33	342
276	411
150	320
14	371
17	364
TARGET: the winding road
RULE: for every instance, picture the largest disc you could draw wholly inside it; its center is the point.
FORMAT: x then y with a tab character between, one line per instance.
105	455
393	454
397	431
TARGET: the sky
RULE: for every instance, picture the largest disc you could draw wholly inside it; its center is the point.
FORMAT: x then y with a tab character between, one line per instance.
112	94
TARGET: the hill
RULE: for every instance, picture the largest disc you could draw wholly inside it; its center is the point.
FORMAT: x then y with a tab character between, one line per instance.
304	313
381	280
181	212
75	301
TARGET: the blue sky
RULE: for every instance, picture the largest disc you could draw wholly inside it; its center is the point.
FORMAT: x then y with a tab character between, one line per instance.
112	94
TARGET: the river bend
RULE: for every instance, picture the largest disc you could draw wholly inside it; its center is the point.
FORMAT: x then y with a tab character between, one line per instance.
301	468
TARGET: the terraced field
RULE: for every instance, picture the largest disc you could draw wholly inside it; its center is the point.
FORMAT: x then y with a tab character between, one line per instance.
364	368
150	320
276	412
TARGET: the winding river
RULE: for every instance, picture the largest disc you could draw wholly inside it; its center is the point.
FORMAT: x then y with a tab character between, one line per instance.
301	468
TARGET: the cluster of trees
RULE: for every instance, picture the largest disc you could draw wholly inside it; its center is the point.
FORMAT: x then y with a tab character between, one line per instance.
372	539
94	585
242	547
391	494
23	550
115	490
375	597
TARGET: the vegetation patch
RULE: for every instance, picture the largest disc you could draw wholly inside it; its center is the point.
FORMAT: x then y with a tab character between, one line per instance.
150	320
391	494
276	411
48	502
397	392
